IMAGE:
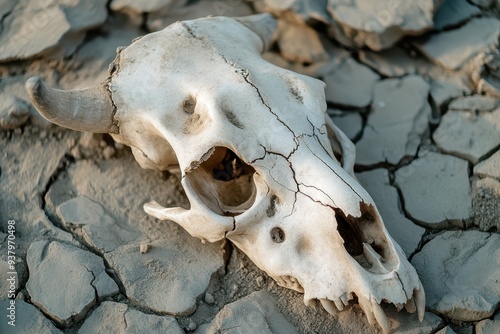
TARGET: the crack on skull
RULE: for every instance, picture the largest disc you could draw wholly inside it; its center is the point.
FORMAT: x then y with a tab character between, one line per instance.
329	167
190	31
113	70
245	75
115	126
402	285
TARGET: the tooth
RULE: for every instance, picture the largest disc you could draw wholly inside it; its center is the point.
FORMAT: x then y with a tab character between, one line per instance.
280	281
346	297
420	301
410	306
299	287
380	316
329	306
309	303
399	306
367	308
339	304
373	258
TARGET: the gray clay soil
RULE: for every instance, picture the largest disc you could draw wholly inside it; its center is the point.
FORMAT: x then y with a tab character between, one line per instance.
415	87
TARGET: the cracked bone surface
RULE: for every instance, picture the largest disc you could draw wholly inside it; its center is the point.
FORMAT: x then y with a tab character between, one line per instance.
257	153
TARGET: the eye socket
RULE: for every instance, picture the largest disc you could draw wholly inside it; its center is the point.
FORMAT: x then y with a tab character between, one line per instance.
277	235
223	181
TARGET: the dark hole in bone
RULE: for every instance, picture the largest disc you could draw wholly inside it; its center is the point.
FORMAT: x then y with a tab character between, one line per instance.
271	210
230	168
365	229
277	235
188	105
352	242
223	181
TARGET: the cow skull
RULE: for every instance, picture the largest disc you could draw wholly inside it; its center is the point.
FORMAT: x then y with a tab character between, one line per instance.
257	154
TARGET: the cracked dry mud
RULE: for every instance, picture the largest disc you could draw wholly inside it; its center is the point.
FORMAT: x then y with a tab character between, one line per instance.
89	260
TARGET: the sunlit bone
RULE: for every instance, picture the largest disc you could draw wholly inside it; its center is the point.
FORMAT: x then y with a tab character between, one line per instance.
257	154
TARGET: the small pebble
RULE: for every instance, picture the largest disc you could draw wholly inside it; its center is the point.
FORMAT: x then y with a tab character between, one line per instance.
192	326
75	152
144	248
209	299
108	152
119	146
121	298
260	281
103	143
234	290
43	134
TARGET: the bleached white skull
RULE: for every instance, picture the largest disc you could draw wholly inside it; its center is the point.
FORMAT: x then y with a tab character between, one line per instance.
256	152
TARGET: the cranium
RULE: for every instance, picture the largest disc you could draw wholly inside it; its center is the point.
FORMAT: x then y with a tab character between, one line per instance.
258	157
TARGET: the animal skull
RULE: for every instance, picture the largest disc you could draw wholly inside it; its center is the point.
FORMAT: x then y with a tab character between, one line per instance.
257	154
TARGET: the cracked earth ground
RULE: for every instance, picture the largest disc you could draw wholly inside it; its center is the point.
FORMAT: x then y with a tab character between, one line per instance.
423	111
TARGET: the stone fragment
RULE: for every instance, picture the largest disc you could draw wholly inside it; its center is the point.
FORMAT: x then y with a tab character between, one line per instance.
400	114
454	12
442	92
182	10
408	323
14	112
486	72
350	84
486	203
350	122
474	103
28	319
489	326
300	43
41	27
64	272
209	299
394	62
144	248
379	24
452	49
255	313
446	330
141	6
468	135
169	277
404	231
436	189
457	269
89	219
111	317
489	167
304	9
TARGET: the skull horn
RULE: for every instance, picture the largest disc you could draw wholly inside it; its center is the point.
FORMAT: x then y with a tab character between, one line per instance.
263	25
88	109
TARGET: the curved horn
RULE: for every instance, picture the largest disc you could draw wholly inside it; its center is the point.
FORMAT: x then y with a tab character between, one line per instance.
263	25
88	109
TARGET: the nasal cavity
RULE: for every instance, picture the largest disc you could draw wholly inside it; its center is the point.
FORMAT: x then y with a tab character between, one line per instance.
223	181
365	239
